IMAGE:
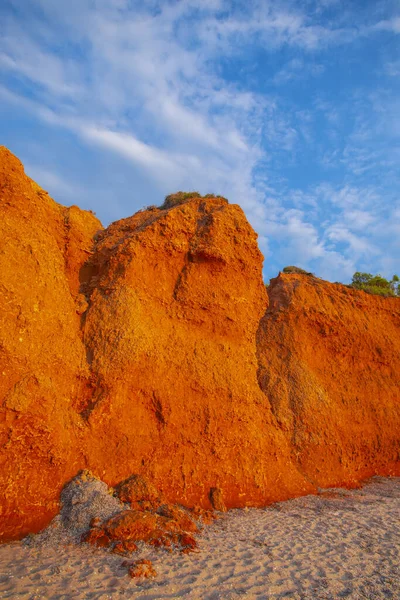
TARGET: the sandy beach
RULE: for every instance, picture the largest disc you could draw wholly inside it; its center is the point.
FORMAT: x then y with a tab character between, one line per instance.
340	544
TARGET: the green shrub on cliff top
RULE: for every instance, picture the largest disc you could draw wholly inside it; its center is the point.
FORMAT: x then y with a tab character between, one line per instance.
178	198
376	284
216	196
181	197
297	271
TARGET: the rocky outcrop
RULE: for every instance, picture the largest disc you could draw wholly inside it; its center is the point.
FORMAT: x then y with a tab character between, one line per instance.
43	367
175	300
329	365
148	348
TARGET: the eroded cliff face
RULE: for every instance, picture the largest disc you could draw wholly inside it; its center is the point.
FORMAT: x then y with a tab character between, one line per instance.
330	364
176	297
149	348
42	358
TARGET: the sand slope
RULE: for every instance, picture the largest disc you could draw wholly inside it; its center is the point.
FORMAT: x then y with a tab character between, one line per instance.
341	544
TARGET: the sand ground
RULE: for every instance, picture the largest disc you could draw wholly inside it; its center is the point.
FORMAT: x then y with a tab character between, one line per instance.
340	544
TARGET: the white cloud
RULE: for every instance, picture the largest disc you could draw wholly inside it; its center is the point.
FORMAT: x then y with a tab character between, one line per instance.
53	182
132	148
145	81
392	25
358	245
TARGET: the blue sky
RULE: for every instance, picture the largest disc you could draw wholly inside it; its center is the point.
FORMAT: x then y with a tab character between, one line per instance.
289	108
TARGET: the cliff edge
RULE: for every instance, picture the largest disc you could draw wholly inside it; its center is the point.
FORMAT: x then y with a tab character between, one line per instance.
151	348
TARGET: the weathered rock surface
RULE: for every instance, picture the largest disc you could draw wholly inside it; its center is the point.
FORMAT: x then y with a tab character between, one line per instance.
43	366
217	499
146	349
139	493
93	512
330	365
176	297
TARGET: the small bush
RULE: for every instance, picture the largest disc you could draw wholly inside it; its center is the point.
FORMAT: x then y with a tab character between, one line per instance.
181	197
297	271
216	196
178	198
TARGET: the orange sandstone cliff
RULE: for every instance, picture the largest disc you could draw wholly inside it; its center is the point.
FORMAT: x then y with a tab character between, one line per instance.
42	357
329	363
176	297
149	347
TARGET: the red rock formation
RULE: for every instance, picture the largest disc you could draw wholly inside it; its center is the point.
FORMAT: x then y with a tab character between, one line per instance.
141	569
329	364
133	351
176	297
42	358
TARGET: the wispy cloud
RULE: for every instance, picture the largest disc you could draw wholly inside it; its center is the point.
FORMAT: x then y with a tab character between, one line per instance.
127	145
296	69
53	183
392	25
195	95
